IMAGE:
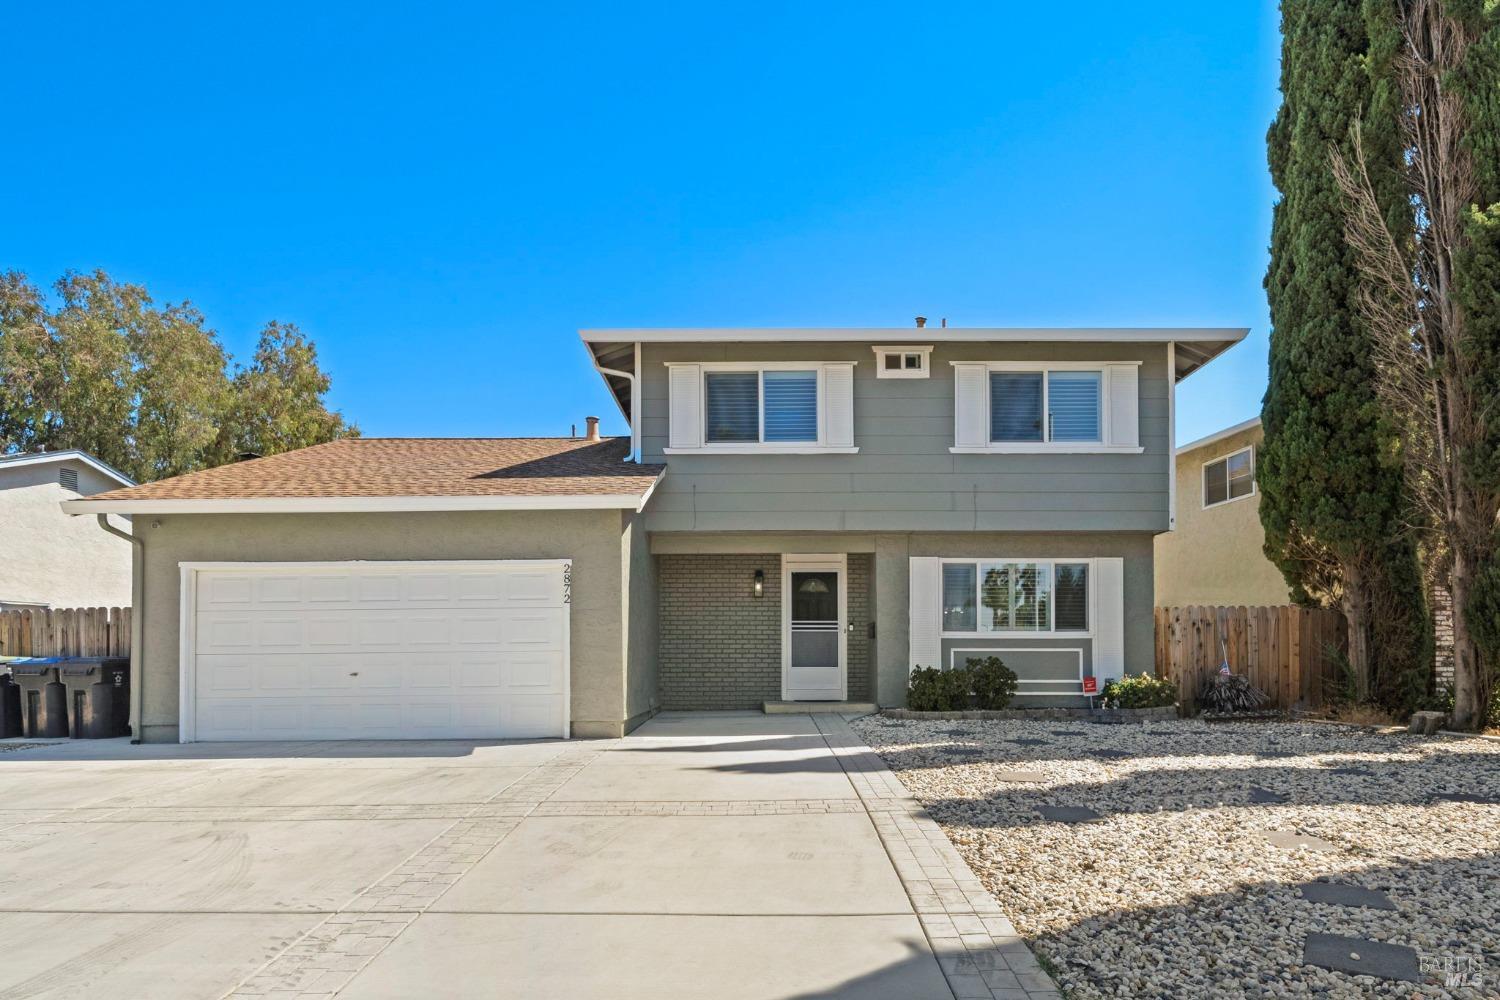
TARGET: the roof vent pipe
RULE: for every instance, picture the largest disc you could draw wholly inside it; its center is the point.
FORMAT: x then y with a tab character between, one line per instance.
593	428
921	322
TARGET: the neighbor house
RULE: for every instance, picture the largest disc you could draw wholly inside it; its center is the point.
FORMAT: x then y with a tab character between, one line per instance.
1216	556
797	515
50	560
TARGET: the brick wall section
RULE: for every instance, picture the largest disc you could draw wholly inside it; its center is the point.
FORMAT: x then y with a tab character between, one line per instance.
720	647
1442	629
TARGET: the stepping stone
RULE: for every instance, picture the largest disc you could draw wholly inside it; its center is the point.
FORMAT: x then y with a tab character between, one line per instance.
1020	776
1113	754
1264	796
1293	841
961	751
1068	814
1068	732
1360	957
1346	894
1027	741
1484	800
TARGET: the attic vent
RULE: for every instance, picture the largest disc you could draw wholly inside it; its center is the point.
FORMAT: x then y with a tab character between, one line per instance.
68	479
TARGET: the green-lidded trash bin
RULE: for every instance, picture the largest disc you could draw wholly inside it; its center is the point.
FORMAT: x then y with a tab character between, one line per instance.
98	695
44	700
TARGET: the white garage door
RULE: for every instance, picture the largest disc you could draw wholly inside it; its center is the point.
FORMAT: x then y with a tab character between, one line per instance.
375	650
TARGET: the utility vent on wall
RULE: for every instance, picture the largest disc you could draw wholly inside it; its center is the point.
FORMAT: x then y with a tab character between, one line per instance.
68	479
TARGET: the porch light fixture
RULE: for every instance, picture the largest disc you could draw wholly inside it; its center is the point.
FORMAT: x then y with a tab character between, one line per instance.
758	588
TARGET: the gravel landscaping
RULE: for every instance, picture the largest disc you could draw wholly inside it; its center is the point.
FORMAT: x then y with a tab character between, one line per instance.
1174	863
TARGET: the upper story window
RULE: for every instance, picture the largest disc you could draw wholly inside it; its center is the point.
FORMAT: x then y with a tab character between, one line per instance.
787	408
763	406
1039	407
1229	478
902	362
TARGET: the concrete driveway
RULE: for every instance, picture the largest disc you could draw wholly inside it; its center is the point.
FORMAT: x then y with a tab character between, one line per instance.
726	856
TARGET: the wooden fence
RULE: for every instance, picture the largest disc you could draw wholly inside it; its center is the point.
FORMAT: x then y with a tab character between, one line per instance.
1289	652
65	632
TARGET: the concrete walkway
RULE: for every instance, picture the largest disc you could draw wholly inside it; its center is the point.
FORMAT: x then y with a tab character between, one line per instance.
726	856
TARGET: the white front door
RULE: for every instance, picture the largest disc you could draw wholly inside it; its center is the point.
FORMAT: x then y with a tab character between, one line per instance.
814	618
375	650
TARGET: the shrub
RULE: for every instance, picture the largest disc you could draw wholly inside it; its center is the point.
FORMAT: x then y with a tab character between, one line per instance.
1442	701
1139	691
994	682
935	690
1225	693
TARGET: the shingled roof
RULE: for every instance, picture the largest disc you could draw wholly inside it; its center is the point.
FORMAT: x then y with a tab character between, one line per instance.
472	473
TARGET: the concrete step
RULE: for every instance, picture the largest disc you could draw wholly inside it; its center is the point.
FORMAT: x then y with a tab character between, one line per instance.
819	707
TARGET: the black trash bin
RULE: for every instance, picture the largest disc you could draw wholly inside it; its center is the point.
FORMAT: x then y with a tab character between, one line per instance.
44	700
98	695
10	706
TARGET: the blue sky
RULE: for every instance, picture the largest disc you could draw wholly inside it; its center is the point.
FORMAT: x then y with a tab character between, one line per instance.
442	196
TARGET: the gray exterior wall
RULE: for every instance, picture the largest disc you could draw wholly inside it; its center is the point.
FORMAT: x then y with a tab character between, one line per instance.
638	591
893	591
699	559
903	478
49	558
721	645
592	539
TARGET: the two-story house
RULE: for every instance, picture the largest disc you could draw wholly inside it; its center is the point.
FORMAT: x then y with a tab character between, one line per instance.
796	515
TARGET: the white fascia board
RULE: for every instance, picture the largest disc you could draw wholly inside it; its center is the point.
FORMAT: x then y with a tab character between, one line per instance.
71	455
1239	428
355	505
903	335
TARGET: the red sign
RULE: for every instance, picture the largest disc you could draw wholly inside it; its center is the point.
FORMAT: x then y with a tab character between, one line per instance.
1091	685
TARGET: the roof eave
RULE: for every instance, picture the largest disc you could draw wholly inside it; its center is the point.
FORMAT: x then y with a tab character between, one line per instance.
635	501
69	455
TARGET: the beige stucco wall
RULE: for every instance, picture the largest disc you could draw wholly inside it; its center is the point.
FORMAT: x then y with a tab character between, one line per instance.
50	558
1215	556
592	539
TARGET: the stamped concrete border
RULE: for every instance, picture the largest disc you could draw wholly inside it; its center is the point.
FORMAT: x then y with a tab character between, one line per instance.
978	948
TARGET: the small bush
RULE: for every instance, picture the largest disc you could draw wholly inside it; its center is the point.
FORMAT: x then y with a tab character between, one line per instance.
1227	693
935	690
1442	701
1139	691
994	682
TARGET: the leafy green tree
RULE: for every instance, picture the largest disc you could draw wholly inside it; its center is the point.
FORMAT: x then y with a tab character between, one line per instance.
147	388
278	400
1428	256
1331	493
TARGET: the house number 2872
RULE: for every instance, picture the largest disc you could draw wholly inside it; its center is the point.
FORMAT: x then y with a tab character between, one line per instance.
567	583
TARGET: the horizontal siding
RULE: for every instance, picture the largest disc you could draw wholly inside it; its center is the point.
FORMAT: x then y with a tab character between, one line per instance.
904	478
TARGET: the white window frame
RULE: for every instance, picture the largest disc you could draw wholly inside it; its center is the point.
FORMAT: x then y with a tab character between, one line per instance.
1203	478
763	447
1052	631
924	353
1045	446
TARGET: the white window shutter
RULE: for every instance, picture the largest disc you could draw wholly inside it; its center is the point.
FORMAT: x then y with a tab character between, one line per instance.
1109	619
1124	405
926	626
971	386
685	407
838	406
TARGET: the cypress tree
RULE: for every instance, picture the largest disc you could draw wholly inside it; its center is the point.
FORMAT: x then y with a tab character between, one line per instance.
1330	490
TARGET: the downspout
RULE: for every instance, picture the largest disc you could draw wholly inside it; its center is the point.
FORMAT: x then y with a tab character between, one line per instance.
1171	435
635	393
137	616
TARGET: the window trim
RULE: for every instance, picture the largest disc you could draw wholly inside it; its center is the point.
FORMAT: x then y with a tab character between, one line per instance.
883	350
1045	447
1052	631
762	447
1203	478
